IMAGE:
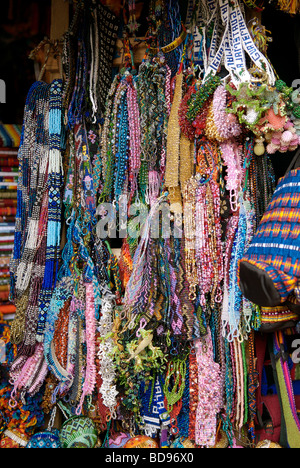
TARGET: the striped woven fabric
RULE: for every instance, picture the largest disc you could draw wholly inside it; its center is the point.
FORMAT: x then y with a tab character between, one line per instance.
275	248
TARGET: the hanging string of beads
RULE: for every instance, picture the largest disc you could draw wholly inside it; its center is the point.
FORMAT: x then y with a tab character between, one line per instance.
169	161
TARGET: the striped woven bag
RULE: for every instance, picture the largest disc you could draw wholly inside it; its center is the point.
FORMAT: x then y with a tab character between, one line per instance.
269	273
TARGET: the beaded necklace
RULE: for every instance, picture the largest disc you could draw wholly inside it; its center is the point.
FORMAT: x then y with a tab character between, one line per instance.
193	385
168	35
93	36
76	103
101	161
107	390
27	307
183	417
23	417
239	385
108	29
62	293
55	184
232	159
187	306
69	57
90	329
176	372
155	416
28	376
226	125
152	84
229	392
252	387
173	144
198	99
61	334
176	317
43	240
187	127
209	251
186	161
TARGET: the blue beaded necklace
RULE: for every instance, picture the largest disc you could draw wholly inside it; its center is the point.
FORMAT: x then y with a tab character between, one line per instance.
121	159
